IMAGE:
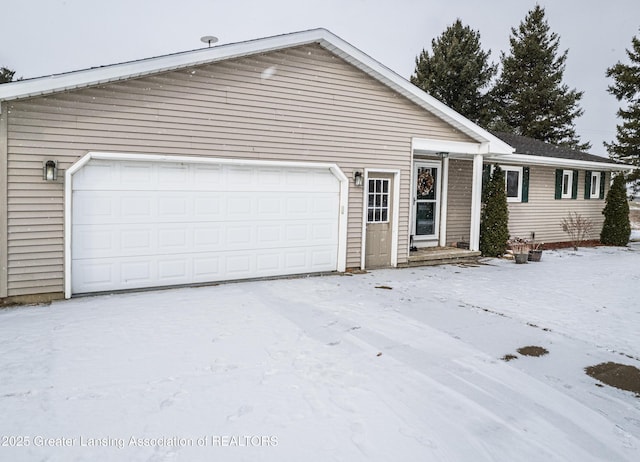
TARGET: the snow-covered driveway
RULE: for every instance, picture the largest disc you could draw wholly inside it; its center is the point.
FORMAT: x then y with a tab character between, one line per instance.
392	365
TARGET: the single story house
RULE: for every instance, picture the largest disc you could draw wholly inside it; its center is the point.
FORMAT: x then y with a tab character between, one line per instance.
285	155
545	182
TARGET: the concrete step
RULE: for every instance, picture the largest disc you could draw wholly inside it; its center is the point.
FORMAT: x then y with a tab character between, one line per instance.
442	256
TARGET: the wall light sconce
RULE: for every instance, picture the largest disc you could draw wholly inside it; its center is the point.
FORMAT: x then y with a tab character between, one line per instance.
50	170
358	179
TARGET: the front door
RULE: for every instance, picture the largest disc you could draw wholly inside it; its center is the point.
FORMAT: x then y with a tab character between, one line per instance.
426	198
379	220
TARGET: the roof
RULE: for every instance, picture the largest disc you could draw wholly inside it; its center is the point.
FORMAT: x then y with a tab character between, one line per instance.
554	155
533	147
116	72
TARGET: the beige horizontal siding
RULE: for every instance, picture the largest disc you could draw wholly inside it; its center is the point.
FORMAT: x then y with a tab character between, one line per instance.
543	214
459	201
313	107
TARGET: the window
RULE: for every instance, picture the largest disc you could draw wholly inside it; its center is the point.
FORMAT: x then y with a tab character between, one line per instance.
567	184
595	186
513	183
378	201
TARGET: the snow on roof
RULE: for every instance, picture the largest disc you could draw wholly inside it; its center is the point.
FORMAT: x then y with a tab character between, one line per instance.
128	70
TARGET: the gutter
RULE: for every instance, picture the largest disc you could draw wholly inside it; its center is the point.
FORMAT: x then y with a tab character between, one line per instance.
526	159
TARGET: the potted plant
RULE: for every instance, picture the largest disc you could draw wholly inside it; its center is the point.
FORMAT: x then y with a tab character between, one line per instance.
520	248
535	251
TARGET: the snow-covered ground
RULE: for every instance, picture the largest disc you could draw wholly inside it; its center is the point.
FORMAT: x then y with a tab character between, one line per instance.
392	365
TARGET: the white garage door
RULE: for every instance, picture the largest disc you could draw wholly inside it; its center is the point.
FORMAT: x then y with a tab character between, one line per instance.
149	224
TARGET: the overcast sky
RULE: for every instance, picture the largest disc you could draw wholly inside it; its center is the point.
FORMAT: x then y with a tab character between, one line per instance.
42	37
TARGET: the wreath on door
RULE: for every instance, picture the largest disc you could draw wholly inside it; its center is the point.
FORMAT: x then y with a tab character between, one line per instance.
425	183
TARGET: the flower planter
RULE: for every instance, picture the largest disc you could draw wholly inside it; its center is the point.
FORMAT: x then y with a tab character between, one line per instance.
521	257
535	255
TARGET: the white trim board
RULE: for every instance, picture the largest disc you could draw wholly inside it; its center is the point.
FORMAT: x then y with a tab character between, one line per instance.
527	159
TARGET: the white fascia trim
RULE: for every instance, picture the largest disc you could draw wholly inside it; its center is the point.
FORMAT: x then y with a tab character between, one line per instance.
407	89
331	42
116	72
454	147
525	159
68	196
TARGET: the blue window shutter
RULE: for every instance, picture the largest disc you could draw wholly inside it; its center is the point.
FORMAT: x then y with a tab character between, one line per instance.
525	184
587	184
574	186
558	184
603	177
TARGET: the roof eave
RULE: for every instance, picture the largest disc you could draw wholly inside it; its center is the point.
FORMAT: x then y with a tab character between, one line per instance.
113	73
527	159
490	143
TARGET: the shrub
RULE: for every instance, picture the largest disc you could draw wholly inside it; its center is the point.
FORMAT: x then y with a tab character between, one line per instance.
577	227
616	229
494	218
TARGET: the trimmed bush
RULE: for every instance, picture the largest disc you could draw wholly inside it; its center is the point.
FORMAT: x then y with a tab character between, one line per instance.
616	229
494	218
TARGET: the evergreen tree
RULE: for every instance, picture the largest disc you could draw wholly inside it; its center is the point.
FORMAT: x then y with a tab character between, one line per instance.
494	218
6	75
626	148
616	229
529	97
457	72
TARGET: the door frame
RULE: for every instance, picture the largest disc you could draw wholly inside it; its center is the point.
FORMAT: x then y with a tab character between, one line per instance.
395	222
431	239
120	156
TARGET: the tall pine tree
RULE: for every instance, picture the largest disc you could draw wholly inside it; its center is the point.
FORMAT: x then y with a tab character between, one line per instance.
457	72
529	97
626	147
616	229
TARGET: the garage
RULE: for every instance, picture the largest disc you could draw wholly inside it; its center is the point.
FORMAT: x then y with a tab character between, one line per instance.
152	221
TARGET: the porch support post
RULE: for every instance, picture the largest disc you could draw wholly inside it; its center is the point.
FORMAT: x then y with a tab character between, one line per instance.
476	203
4	239
444	194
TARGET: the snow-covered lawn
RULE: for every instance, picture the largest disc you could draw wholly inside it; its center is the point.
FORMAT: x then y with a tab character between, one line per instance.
392	365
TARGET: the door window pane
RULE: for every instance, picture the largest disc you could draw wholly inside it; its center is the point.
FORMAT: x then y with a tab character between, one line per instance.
426	183
378	201
425	223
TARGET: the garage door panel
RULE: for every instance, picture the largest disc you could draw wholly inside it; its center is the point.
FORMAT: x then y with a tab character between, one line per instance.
134	272
145	224
120	240
173	270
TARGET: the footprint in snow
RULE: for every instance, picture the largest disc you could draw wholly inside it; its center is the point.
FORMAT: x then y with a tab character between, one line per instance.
239	413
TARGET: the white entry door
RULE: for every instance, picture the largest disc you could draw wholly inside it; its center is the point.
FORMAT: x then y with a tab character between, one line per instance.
426	201
139	224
